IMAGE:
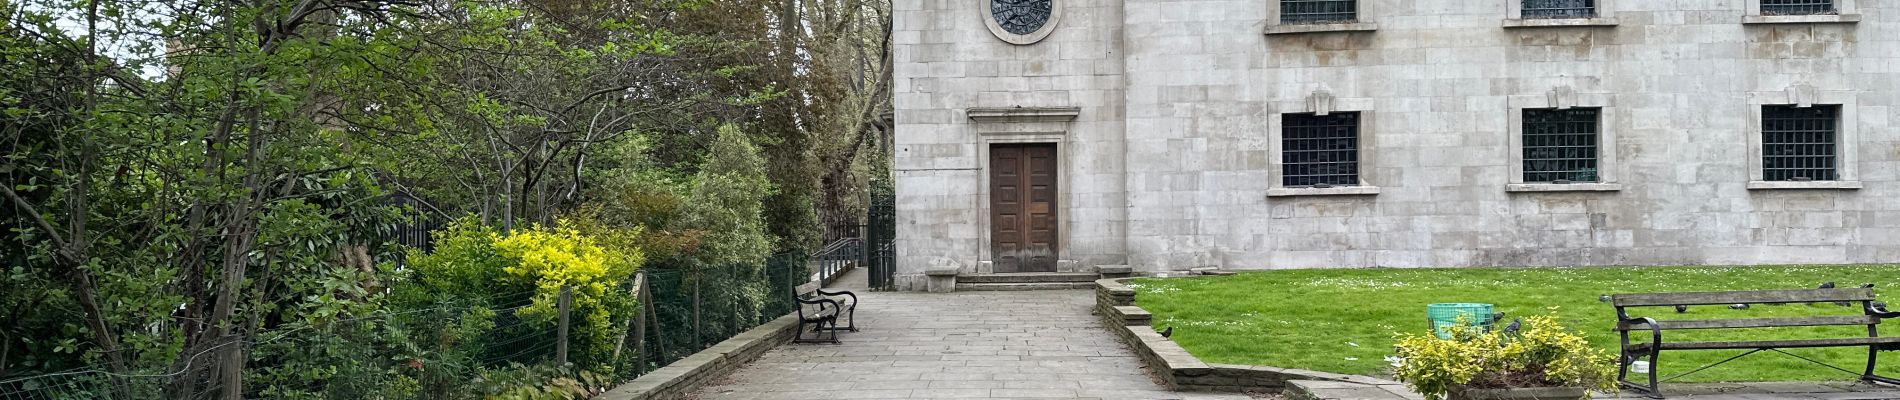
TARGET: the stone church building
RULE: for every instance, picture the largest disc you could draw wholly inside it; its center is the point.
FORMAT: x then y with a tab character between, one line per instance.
1070	135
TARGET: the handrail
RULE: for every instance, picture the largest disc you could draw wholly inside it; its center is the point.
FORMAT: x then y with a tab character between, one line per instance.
837	257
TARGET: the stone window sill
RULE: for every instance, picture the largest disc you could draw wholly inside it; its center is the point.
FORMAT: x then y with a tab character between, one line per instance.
1562	187
1289	29
1331	191
1810	185
1559	22
1801	19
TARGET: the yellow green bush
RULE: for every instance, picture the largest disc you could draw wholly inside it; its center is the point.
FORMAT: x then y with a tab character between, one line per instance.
550	258
1541	354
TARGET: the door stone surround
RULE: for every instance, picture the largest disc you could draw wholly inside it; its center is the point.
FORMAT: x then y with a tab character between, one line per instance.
1004	125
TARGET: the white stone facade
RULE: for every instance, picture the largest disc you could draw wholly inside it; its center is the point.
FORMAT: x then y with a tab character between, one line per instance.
1170	161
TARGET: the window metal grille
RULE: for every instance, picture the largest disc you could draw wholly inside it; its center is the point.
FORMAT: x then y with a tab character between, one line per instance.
1797	7
1559	9
1318	11
1319	150
1798	143
1561	145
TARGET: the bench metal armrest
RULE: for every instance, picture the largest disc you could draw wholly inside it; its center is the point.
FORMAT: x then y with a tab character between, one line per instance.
1655	330
1884	315
820	302
847	293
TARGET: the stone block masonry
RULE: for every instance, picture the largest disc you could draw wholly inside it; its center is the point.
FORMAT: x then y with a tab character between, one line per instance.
676	380
1172	161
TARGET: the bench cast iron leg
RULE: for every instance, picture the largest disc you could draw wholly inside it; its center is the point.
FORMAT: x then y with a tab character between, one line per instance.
1654	390
1873	358
853	323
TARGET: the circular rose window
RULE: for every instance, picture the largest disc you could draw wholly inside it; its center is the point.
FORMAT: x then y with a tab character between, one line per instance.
1022	21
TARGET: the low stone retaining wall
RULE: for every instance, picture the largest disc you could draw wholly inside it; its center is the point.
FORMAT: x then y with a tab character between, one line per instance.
1113	293
682	377
1115	302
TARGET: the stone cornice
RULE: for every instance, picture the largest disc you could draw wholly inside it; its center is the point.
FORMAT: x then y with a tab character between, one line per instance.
1024	114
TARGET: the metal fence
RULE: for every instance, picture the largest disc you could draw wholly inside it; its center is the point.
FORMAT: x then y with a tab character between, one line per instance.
687	310
683	309
836	258
881	235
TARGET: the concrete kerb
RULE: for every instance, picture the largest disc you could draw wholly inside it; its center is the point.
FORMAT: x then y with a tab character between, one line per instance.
1181	371
682	377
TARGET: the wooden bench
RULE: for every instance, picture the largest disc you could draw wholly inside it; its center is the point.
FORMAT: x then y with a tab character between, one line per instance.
1632	351
820	310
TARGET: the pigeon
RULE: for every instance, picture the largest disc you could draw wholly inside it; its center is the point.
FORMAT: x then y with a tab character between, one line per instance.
1681	309
1604	298
1830	285
1516	323
1738	306
1497	317
1167	332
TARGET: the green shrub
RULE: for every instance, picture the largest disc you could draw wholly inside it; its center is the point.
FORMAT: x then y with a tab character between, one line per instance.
1542	354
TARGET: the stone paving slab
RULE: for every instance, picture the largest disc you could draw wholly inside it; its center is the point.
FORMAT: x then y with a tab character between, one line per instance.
1773	390
1314	390
965	345
1043	345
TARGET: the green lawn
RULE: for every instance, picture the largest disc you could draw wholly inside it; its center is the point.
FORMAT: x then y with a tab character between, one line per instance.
1343	320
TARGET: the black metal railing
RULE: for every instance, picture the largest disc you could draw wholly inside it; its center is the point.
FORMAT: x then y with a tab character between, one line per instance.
880	236
1318	11
1797	7
836	258
1559	9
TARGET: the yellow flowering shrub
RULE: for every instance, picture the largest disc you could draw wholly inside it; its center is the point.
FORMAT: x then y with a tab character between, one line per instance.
550	258
1541	354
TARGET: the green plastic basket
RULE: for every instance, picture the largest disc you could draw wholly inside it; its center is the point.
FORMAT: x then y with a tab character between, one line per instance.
1445	315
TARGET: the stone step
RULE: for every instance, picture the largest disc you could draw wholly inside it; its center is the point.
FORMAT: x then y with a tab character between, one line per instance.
1036	277
1330	390
1011	287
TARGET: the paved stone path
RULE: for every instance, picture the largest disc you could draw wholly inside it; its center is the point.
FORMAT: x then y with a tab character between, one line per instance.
1041	344
1030	345
1688	391
1773	390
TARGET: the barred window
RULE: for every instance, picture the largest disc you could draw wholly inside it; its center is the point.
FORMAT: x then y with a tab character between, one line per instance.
1318	11
1797	7
1798	144
1319	151
1560	9
1561	145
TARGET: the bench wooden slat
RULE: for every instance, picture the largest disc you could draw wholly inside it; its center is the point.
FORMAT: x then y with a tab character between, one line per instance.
1742	297
807	289
1752	323
1772	344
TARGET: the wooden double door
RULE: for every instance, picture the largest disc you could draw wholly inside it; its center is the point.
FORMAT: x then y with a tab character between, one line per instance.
1023	207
